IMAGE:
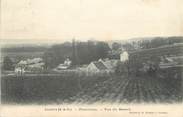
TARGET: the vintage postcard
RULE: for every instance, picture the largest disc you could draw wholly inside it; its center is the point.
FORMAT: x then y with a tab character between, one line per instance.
81	58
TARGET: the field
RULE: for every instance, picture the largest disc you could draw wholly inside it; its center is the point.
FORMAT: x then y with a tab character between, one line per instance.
147	54
82	89
132	90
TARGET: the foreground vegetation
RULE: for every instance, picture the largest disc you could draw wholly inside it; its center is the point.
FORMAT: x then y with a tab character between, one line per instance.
90	89
132	90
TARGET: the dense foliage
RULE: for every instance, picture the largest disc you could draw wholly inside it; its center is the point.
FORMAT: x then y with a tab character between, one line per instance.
159	41
7	64
78	52
25	48
89	89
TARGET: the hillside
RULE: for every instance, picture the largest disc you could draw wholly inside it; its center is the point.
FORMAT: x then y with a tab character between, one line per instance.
20	52
168	50
24	48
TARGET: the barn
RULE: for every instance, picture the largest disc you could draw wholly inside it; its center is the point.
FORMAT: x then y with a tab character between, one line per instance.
96	68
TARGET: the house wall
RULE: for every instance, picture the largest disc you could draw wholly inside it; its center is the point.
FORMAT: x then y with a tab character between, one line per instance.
124	56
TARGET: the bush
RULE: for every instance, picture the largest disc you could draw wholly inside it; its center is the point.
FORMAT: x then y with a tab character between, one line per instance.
122	68
7	63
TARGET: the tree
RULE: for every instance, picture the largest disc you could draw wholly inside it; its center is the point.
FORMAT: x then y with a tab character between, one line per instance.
57	54
102	50
128	46
145	44
116	46
47	58
122	68
78	52
7	63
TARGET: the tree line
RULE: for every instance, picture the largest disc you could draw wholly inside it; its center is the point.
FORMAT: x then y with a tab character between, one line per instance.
159	41
79	52
147	43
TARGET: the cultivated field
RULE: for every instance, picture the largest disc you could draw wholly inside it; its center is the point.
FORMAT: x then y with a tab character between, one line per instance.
72	88
147	54
133	90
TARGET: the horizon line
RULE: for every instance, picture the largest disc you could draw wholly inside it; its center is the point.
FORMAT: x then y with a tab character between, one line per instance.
50	42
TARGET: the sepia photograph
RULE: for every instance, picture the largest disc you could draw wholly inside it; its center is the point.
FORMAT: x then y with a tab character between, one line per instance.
134	71
88	57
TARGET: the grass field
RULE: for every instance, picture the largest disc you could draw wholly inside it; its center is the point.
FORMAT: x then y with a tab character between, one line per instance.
71	88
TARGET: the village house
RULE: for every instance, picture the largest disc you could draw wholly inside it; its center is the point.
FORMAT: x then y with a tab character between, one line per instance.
67	63
106	65
110	64
124	56
96	68
29	65
20	67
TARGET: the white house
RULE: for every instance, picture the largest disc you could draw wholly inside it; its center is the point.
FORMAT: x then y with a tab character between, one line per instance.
34	60
29	65
67	63
124	56
19	70
20	67
22	62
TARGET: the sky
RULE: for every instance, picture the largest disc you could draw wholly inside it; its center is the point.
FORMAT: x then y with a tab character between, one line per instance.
62	20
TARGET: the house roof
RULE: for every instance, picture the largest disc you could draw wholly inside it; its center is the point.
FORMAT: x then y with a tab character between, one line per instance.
22	62
100	65
38	65
34	60
110	63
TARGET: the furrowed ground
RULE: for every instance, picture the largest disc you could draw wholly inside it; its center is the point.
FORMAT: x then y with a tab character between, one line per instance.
134	89
110	89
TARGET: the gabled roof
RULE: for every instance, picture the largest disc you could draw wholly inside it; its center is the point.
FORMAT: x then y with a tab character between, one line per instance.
110	64
100	65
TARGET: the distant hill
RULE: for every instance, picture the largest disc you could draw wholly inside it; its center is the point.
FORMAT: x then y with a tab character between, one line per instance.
151	40
23	51
24	48
148	54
